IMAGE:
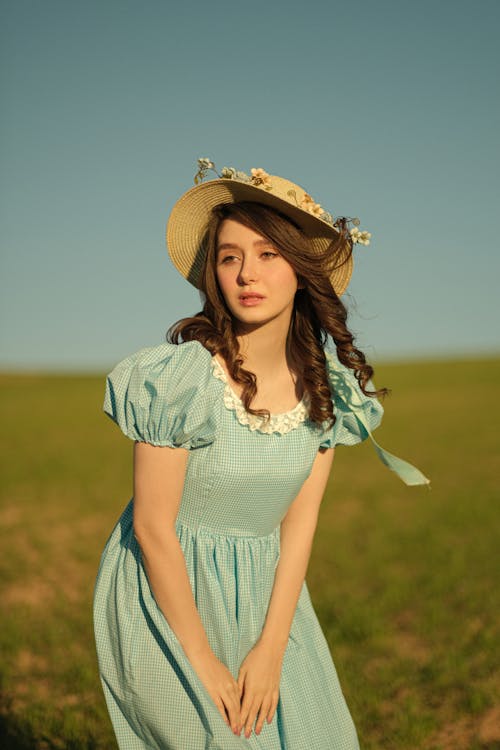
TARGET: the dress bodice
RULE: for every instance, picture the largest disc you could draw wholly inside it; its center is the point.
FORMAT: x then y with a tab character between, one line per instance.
243	472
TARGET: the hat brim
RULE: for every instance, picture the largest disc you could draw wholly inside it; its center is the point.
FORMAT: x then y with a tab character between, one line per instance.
187	226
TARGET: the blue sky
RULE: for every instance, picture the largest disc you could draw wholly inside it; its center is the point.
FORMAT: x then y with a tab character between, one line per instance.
386	110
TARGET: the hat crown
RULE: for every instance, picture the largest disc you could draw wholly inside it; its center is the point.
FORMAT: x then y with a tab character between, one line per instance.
281	189
286	189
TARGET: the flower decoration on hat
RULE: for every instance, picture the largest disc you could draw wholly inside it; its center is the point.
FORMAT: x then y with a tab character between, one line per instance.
363	238
310	205
260	178
204	165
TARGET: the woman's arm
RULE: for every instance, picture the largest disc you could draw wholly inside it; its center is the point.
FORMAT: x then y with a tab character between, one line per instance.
261	670
297	533
159	474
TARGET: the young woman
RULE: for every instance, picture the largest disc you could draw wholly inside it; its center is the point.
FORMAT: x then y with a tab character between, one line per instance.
205	632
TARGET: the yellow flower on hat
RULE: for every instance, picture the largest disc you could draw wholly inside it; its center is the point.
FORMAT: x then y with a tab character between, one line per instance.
310	205
260	177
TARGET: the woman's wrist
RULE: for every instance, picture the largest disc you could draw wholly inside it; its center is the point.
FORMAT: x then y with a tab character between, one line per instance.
275	641
199	649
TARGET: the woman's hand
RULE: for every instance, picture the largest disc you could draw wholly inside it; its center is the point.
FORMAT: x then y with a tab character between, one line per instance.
259	683
220	685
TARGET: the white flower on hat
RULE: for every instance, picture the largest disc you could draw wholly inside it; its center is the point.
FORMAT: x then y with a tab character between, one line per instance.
260	177
362	238
204	164
242	176
310	205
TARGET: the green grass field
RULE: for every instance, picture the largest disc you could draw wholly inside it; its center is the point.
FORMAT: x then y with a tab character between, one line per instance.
405	580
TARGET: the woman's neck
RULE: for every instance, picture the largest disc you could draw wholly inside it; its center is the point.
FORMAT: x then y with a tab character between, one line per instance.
265	349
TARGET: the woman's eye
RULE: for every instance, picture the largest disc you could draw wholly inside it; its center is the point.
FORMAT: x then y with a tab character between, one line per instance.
270	254
228	258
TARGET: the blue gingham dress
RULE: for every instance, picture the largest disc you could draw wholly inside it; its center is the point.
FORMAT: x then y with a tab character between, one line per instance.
239	484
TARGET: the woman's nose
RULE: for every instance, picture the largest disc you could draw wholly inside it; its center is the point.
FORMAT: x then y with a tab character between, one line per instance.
248	271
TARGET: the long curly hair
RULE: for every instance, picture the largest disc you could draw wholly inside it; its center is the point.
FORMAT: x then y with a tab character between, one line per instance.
318	312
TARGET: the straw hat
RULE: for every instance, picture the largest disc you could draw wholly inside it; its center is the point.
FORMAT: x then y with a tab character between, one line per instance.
188	220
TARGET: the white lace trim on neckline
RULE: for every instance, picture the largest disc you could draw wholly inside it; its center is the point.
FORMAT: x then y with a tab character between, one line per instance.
281	423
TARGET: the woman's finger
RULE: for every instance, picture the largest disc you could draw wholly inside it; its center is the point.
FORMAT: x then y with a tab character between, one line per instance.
262	715
241	682
222	709
246	705
251	718
232	704
274	706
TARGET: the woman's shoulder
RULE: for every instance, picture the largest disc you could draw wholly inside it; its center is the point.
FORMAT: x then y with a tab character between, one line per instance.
187	355
356	413
163	394
345	384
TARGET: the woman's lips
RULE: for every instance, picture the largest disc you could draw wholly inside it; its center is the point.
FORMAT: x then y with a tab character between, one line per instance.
250	300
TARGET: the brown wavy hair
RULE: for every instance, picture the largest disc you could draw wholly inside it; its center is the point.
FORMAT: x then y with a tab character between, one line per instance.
318	312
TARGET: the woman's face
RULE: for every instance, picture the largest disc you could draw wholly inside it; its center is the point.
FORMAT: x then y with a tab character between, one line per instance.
257	283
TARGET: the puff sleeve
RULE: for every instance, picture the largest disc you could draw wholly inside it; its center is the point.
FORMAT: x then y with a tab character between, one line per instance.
164	395
357	415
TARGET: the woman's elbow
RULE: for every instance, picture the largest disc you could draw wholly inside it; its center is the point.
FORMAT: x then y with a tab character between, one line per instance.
151	533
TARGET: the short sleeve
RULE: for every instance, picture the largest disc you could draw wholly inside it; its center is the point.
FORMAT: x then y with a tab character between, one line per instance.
164	395
357	416
352	408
